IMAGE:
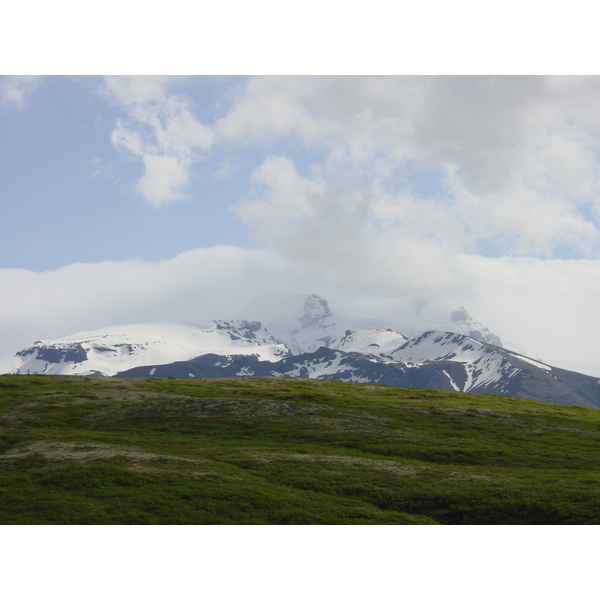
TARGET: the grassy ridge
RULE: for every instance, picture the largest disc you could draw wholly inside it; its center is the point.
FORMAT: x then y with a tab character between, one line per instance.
285	451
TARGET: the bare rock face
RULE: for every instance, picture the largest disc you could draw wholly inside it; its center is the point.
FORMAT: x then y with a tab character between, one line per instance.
315	310
473	328
56	353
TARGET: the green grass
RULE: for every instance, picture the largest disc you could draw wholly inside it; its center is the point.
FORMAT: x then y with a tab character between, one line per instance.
92	450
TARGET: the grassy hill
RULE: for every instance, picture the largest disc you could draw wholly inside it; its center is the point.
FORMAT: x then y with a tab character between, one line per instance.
288	451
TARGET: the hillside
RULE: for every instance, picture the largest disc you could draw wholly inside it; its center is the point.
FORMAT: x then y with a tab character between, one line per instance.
285	451
460	364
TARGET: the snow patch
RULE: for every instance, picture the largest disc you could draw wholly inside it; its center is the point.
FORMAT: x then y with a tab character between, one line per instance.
452	382
535	363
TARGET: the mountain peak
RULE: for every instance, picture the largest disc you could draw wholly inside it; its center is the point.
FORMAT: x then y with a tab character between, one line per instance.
315	310
474	328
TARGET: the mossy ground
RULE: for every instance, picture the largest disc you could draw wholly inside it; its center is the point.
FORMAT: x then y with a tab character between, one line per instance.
92	450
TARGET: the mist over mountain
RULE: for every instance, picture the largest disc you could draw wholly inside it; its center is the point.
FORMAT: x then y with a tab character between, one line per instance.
466	357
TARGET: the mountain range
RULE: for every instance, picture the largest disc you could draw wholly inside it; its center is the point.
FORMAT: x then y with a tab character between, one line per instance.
469	358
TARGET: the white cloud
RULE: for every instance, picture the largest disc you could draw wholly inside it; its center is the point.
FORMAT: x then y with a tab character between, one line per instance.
352	238
132	91
165	178
287	200
14	89
200	284
161	131
269	107
517	157
520	154
524	219
545	308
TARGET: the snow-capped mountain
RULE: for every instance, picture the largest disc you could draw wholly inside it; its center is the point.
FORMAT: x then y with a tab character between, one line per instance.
113	349
316	345
118	348
463	322
317	328
438	360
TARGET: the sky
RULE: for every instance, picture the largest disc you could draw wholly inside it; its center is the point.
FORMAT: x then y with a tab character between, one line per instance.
400	198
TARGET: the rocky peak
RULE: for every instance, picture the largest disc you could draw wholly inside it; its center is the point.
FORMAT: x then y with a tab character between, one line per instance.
315	310
475	329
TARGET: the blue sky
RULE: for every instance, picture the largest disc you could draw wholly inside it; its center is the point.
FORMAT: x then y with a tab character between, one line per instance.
128	199
68	191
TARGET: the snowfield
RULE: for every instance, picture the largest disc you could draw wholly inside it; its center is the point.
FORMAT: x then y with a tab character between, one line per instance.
113	349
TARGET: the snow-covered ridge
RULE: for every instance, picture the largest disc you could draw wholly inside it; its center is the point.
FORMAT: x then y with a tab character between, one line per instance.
484	364
113	349
440	345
